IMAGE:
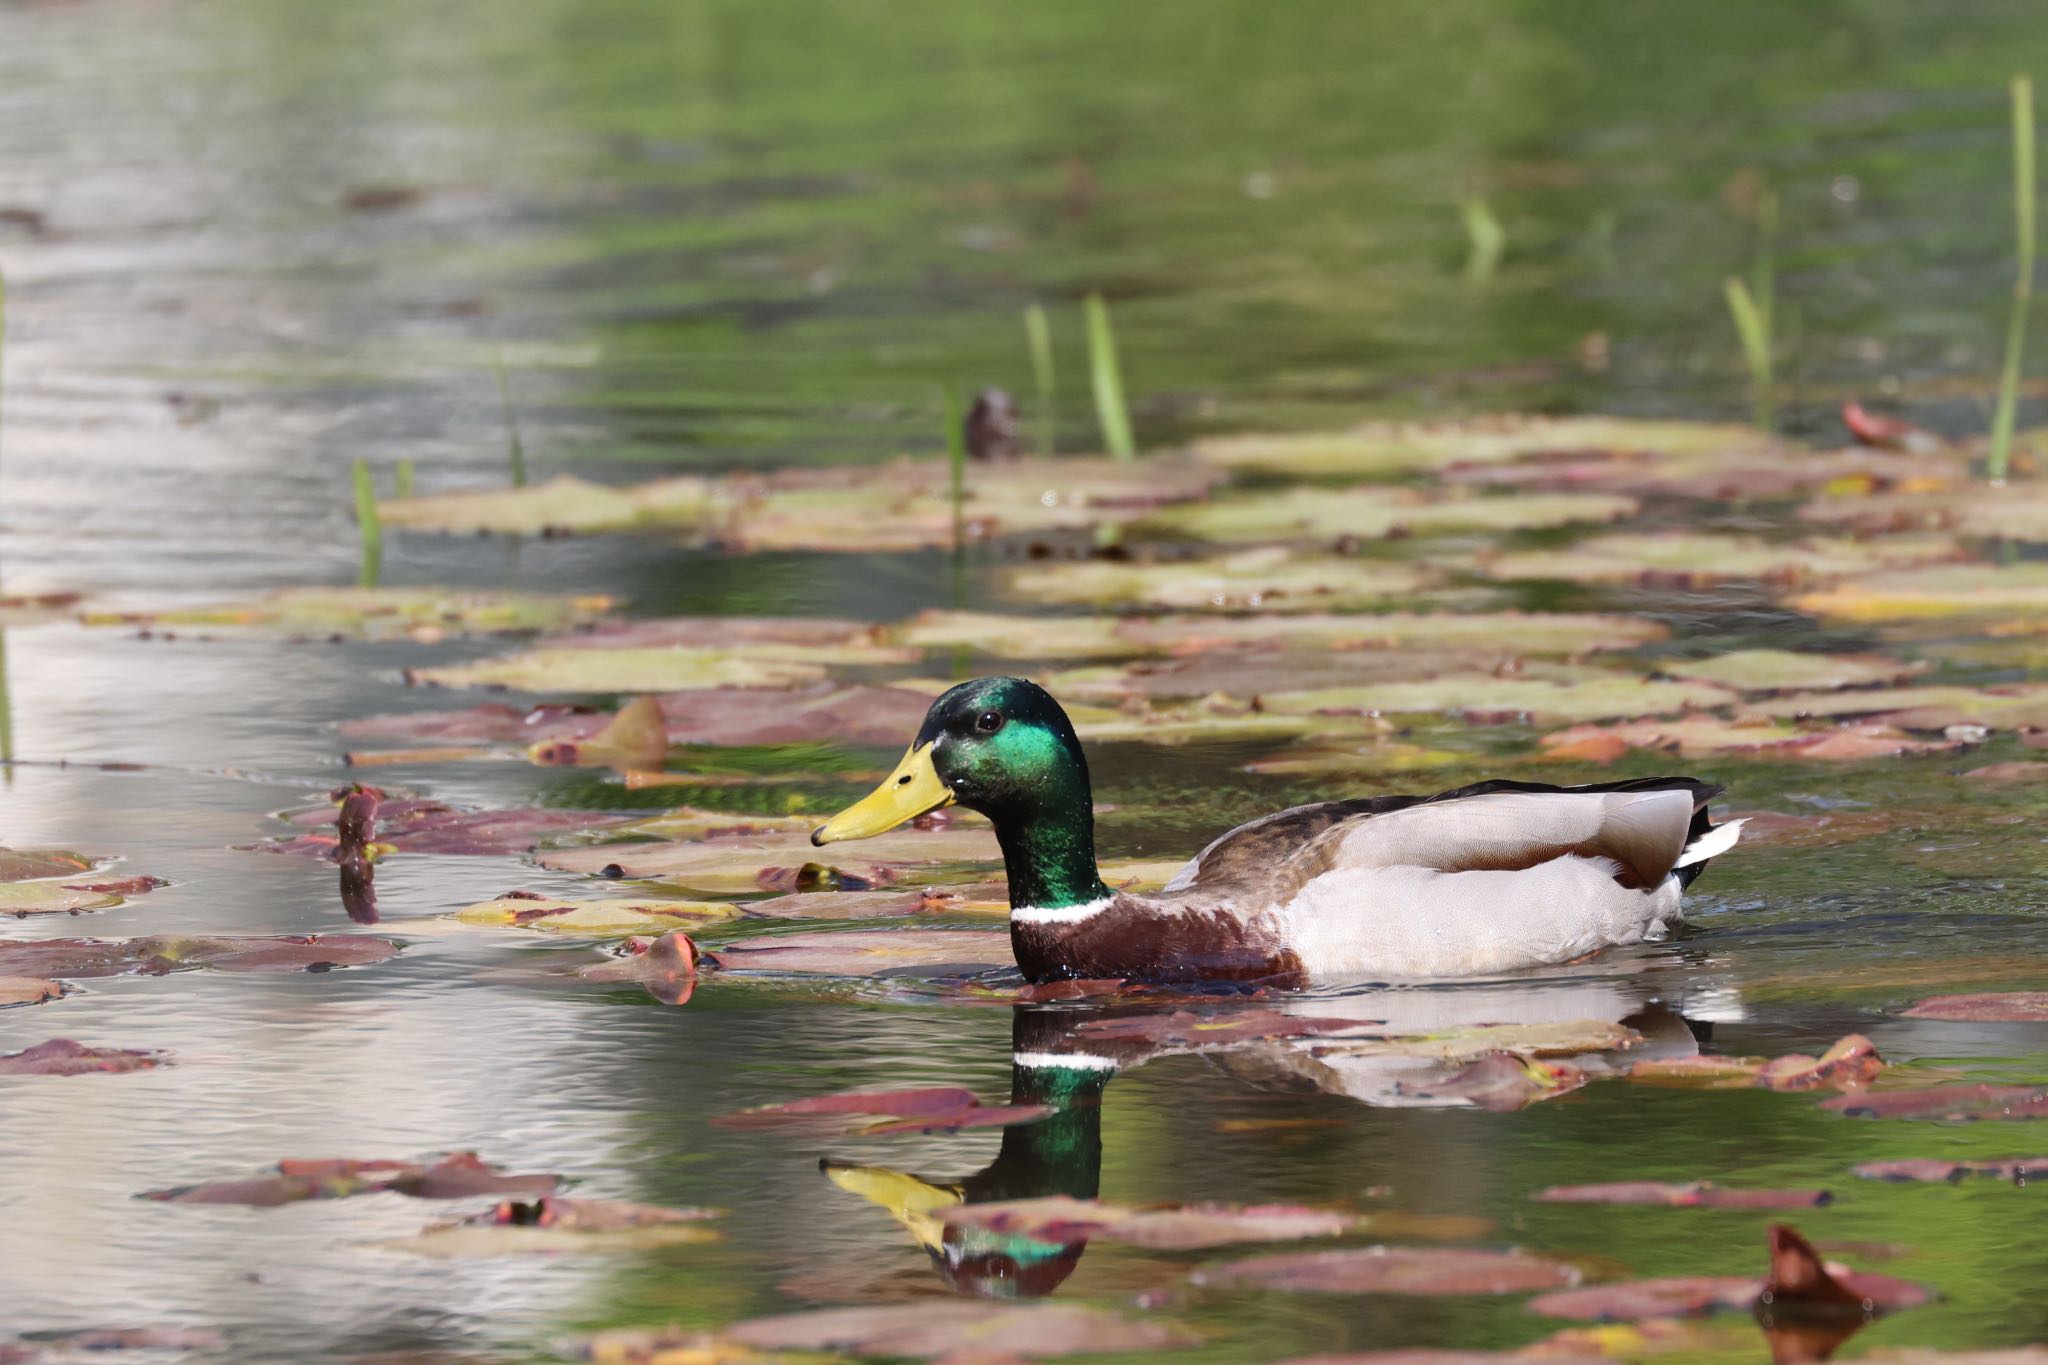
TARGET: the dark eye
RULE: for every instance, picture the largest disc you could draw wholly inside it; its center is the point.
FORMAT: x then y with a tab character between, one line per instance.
988	722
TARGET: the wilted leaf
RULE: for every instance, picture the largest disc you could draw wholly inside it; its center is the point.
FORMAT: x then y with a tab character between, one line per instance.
935	1109
375	613
65	958
63	1057
944	1326
1777	670
1265	579
1698	559
459	1175
1190	1227
1500	1082
866	952
1951	1102
553	1225
1698	1194
1393	448
597	919
2011	1007
1393	1270
1373	512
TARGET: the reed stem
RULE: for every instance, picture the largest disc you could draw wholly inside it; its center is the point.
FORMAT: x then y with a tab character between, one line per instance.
1107	378
371	528
2000	463
1039	335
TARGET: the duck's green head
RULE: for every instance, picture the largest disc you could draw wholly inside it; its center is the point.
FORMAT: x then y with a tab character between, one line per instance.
1001	746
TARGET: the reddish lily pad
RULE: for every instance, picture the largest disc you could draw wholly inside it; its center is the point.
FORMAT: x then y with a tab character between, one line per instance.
1189	1029
1934	1172
408	825
1797	1286
666	966
2010	772
459	1175
2006	1007
1191	1227
1698	1194
1948	1102
1393	1270
553	1225
944	1327
934	1109
866	952
68	958
63	1057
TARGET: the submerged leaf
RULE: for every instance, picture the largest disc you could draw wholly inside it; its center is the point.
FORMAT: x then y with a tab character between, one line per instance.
1698	1194
376	613
1191	1227
63	1057
2011	1007
1393	1270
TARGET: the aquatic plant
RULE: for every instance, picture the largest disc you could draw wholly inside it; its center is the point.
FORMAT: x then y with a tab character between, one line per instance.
403	479
2023	286
1488	238
956	462
1753	327
1038	334
515	449
372	530
1108	383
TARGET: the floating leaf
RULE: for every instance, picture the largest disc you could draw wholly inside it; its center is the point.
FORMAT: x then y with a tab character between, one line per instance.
24	990
459	1175
1373	756
1497	634
564	504
2012	1007
63	1057
1394	448
1698	559
1936	1172
2009	772
1702	736
1266	579
50	898
597	919
1393	1270
666	966
866	952
2019	706
1698	1194
935	1109
421	826
553	1225
1190	1227
376	613
23	865
1677	1296
1851	1063
2018	512
1198	1030
637	737
1374	512
944	1327
1486	697
67	958
633	670
1777	670
1951	1102
1972	590
743	863
1498	1081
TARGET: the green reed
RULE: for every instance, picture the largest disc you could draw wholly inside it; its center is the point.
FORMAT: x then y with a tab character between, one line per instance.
1753	327
1038	334
371	528
1108	382
515	448
1487	237
2023	286
956	462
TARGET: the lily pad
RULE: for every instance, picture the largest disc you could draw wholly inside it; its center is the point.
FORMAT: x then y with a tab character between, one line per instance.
597	919
1370	513
375	613
23	865
1500	1082
865	952
638	670
552	1225
1955	1103
944	1327
70	958
408	825
1256	580
1699	559
2020	706
459	1175
1393	1270
1698	1194
666	966
1373	756
1499	634
1851	1063
63	1057
1935	1172
1777	670
744	863
1190	1227
2011	1007
1484	697
1956	590
51	898
26	990
1394	448
934	1109
564	503
1198	1030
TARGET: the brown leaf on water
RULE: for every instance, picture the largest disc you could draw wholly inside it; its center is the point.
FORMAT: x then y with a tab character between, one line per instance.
26	990
1698	1194
637	737
952	1328
666	966
1931	1171
553	1225
2004	1007
70	958
1956	1103
1190	1227
1393	1270
139	885
2009	772
867	952
63	1057
872	1113
22	865
458	1175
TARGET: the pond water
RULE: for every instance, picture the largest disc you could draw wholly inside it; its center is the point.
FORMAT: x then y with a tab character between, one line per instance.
247	242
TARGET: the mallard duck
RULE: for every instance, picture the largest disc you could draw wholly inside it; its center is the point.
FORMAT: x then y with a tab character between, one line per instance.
1496	877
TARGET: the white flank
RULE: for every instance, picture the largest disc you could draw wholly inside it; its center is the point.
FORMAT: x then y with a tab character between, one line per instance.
1713	843
1069	1061
1065	914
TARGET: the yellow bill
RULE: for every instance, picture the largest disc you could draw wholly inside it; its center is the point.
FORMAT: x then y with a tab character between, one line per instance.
913	789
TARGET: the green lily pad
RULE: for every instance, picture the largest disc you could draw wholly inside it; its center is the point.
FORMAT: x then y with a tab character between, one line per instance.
600	918
1777	670
1394	448
2020	707
1687	736
1485	696
1972	590
1265	579
1498	634
565	503
376	613
1373	756
28	864
52	898
784	862
1697	558
2016	512
1019	637
635	670
1370	513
